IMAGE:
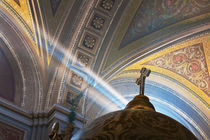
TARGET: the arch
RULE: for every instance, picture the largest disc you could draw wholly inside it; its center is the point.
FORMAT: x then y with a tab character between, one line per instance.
25	63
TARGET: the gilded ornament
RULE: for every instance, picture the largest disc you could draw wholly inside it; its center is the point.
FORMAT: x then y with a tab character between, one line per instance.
97	22
107	4
83	60
89	42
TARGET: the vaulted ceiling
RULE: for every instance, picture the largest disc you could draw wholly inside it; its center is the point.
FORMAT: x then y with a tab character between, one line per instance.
88	53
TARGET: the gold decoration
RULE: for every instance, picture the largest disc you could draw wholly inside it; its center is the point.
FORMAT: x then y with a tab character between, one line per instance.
97	22
89	42
107	4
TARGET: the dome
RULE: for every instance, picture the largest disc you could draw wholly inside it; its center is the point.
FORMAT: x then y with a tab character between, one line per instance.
138	121
142	123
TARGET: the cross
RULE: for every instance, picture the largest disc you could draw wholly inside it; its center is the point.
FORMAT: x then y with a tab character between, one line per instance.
141	80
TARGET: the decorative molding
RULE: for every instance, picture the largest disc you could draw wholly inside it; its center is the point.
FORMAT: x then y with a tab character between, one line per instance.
82	59
75	81
98	22
89	42
107	4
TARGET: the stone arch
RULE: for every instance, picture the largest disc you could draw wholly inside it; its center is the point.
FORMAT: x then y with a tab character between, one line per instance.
26	65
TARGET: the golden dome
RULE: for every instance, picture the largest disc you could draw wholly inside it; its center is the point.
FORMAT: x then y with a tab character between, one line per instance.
138	121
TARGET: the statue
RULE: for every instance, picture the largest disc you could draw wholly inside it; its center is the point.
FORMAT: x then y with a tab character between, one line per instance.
141	80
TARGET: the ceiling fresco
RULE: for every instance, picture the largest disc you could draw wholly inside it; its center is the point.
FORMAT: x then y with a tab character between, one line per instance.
154	15
188	62
148	26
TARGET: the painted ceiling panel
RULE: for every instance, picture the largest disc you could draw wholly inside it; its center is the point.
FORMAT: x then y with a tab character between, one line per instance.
154	15
153	22
188	62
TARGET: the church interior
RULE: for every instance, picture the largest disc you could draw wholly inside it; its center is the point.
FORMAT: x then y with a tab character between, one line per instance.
84	56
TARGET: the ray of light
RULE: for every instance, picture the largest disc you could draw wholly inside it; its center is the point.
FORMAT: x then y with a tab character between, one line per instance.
105	93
